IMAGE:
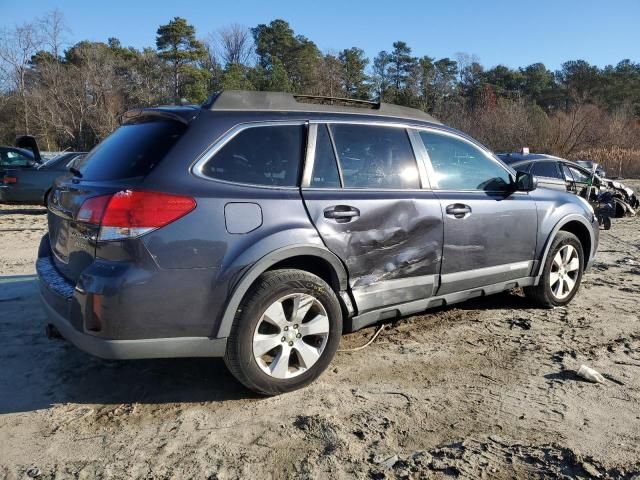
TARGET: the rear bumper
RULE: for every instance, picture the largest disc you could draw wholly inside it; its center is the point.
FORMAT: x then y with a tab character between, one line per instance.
10	194
65	307
135	349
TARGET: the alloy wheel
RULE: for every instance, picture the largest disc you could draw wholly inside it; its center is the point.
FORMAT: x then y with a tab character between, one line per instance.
563	275
291	335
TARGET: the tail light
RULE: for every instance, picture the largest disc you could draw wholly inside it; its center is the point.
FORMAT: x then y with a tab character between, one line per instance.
131	213
8	180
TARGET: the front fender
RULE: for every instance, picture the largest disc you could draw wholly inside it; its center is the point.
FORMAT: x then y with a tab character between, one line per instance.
575	217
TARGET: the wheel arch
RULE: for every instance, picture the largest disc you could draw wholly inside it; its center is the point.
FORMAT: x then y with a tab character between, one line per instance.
311	258
577	225
46	195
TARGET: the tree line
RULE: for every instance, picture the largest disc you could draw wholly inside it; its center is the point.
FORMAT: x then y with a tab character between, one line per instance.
72	96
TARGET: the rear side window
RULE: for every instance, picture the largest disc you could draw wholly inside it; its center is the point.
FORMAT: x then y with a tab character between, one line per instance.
546	169
375	157
263	155
133	150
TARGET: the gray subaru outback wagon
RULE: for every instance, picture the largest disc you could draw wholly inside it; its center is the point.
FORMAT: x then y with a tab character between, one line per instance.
260	226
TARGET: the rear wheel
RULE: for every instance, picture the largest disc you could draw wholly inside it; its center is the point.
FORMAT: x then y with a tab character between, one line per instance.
562	272
285	333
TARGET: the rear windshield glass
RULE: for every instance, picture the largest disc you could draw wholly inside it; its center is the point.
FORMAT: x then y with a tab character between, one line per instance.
133	150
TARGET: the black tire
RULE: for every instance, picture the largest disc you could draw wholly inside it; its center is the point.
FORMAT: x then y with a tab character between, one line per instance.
269	288
542	293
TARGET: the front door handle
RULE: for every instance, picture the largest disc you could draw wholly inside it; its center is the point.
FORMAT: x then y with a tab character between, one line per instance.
341	213
458	210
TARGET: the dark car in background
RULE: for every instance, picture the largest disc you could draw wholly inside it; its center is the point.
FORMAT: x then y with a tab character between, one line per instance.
32	185
569	175
24	155
612	198
16	158
260	226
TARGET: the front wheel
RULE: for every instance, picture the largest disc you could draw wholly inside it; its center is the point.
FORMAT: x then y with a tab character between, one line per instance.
285	332
562	273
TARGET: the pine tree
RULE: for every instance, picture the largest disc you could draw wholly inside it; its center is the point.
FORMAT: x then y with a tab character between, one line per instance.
401	64
176	43
354	78
235	78
277	78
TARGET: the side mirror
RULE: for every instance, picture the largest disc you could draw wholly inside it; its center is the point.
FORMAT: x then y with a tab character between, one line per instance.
525	182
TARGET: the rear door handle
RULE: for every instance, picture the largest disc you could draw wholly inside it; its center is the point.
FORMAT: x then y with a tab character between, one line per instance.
458	210
341	213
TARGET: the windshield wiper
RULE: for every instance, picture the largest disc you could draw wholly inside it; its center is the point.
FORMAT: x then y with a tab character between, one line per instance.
76	172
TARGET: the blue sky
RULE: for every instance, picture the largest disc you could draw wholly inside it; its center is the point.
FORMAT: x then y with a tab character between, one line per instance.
497	31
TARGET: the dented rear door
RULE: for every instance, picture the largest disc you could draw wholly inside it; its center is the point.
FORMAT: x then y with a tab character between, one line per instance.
372	212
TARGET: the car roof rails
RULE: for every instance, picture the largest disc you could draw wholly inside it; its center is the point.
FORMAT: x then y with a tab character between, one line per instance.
242	100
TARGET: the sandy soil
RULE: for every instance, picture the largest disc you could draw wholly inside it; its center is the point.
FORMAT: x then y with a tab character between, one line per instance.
483	390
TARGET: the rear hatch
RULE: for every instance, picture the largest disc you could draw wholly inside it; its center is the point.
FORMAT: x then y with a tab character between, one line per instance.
28	142
119	163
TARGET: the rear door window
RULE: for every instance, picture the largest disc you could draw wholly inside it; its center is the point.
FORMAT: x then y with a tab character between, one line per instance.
372	156
546	169
133	150
325	168
262	155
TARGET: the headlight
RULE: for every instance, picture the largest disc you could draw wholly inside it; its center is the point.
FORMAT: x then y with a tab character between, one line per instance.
587	204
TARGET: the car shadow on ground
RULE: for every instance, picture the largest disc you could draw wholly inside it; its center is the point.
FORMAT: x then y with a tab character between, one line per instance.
499	301
37	372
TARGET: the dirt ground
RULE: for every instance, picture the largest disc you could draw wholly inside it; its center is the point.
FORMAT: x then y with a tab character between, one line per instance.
483	390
